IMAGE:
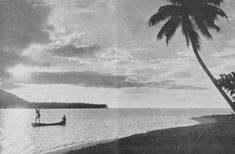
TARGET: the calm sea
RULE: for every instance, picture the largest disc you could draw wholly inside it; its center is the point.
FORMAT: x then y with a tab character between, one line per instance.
17	136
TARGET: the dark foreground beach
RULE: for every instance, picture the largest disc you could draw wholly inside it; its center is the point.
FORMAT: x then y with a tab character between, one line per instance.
214	135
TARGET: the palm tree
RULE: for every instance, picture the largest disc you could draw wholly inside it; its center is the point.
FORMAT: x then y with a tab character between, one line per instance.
194	17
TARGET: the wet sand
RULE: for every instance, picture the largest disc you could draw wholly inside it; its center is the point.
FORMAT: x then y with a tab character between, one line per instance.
213	135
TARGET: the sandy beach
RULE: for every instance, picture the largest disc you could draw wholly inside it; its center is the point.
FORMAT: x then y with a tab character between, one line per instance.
213	135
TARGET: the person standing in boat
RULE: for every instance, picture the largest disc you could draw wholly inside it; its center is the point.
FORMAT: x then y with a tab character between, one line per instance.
37	115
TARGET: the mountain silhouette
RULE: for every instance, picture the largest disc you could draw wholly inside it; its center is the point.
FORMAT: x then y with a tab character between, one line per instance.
8	100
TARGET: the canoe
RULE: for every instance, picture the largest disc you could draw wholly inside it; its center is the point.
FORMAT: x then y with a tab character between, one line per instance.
48	124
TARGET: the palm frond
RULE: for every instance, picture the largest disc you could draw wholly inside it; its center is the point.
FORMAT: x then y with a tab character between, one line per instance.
175	1
169	28
195	38
213	2
190	33
172	29
186	34
193	2
195	16
213	12
162	14
211	24
202	26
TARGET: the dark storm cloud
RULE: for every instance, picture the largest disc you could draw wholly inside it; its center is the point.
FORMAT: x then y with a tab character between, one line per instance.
72	50
23	22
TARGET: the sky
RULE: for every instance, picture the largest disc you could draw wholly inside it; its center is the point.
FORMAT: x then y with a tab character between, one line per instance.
103	51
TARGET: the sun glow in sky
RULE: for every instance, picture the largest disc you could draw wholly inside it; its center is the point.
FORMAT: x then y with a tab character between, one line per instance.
102	51
20	73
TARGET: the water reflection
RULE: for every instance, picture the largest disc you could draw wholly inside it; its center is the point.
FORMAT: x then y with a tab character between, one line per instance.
15	125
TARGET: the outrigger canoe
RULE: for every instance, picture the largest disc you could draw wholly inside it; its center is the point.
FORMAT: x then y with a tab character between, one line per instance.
48	124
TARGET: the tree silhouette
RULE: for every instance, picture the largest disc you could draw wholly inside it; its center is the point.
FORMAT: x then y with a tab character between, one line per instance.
194	17
227	81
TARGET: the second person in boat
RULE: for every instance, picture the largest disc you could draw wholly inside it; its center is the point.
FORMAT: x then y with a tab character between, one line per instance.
63	120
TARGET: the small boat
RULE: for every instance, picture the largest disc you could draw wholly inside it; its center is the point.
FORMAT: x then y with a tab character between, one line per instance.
48	124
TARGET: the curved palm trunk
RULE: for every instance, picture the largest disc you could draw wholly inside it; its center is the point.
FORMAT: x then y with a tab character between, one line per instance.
212	78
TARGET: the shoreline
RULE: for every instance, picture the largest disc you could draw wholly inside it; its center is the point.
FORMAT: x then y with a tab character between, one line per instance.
72	148
78	147
213	134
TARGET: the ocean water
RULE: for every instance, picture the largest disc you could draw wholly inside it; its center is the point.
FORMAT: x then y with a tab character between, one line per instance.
17	136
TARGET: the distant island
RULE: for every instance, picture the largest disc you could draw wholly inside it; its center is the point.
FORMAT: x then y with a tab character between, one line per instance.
8	100
60	105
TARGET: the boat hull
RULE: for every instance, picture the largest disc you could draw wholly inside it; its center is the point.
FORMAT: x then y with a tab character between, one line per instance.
48	124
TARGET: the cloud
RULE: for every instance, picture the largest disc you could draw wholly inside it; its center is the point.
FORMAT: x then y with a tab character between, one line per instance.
98	18
8	59
84	3
188	53
117	54
94	79
73	50
70	54
225	53
224	58
181	75
185	87
22	23
87	79
69	45
92	36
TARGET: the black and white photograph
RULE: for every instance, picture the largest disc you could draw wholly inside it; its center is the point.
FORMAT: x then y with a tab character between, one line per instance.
117	77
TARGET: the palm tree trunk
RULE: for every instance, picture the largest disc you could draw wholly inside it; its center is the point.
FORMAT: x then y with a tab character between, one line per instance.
214	81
